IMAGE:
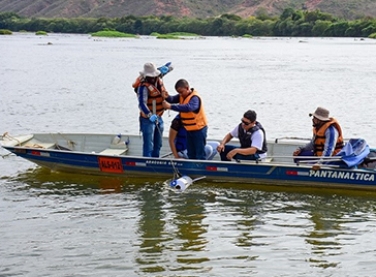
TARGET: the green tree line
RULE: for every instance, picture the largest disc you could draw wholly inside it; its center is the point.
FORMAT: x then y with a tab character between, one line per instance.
290	23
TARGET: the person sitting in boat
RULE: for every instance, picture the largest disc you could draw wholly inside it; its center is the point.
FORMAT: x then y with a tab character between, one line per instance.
178	141
191	109
252	139
327	137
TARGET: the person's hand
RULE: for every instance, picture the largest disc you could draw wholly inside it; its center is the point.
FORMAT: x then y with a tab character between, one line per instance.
165	94
153	118
316	167
220	148
166	105
231	154
296	152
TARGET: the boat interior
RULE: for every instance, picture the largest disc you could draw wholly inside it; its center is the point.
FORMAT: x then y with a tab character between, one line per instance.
279	150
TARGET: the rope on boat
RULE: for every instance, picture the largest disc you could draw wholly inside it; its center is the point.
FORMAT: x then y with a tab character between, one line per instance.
9	137
6	136
71	144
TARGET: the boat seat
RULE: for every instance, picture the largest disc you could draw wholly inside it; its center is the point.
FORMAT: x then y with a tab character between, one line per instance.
43	145
114	151
267	160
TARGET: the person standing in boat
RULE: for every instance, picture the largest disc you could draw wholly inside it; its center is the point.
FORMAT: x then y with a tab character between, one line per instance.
151	93
189	104
327	137
252	138
178	141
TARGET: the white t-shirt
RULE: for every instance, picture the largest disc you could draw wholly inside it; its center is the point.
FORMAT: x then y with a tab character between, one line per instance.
257	139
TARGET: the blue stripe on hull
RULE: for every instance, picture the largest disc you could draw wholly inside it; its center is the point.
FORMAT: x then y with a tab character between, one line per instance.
276	174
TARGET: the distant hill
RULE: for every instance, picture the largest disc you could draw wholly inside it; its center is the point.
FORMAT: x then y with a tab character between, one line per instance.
347	9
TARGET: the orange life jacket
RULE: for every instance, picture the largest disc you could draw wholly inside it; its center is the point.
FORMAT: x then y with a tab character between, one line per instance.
193	121
319	135
137	83
154	94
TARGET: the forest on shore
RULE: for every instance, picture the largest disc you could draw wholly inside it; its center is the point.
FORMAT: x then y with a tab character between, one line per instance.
292	23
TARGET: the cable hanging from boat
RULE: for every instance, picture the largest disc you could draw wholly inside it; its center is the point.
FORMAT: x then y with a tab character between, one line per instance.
179	181
176	173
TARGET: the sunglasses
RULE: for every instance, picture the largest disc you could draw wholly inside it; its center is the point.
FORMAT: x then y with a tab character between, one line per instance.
246	123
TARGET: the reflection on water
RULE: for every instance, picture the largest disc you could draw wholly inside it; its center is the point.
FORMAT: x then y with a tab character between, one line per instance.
189	215
324	239
151	229
44	181
171	231
212	228
335	227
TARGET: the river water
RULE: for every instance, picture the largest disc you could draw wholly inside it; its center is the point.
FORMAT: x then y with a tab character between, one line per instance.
56	224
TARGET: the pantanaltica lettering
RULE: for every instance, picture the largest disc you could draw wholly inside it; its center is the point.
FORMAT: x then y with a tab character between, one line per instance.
342	175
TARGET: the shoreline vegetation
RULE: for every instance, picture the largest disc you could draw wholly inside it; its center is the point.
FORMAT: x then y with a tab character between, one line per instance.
41	33
113	34
291	23
5	32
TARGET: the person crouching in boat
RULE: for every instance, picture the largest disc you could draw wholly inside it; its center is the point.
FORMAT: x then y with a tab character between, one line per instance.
327	137
252	140
178	141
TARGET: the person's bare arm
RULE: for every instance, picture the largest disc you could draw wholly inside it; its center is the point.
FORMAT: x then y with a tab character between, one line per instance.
171	140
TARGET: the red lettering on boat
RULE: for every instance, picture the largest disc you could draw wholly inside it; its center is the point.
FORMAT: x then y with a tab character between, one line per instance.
110	165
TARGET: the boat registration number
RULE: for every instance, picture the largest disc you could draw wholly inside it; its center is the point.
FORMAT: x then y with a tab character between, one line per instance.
110	165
